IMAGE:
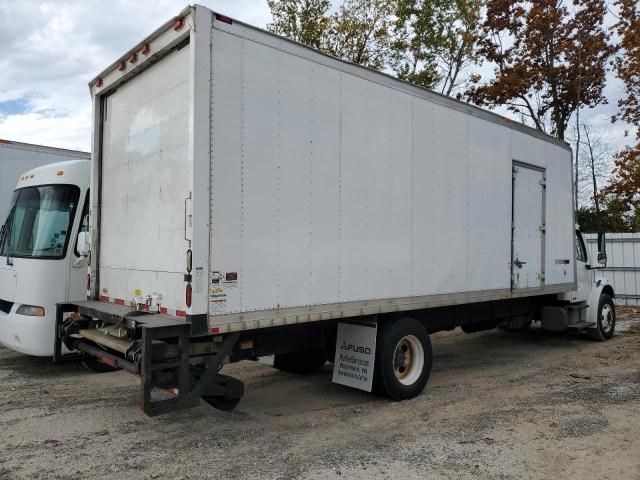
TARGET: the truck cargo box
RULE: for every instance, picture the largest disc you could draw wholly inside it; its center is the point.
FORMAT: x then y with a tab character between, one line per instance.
242	180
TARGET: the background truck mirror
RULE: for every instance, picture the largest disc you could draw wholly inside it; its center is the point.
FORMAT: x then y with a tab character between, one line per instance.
602	248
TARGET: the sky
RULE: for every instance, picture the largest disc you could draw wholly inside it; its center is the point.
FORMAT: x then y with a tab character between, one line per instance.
50	50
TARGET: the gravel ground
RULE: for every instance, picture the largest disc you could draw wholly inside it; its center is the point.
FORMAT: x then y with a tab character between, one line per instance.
499	405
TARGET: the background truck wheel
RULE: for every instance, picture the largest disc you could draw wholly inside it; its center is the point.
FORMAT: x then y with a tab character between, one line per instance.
302	362
94	365
403	359
606	319
516	323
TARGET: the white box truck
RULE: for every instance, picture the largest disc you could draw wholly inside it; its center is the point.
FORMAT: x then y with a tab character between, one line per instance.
17	157
252	196
40	265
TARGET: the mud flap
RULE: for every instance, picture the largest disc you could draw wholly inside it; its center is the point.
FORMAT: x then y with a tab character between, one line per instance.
355	354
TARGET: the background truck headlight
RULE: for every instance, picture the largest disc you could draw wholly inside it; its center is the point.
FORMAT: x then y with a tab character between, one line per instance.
30	310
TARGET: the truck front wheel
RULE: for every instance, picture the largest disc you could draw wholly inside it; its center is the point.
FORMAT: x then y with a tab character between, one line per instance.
606	319
404	358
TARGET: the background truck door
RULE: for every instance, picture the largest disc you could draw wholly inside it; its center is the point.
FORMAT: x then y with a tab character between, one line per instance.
527	252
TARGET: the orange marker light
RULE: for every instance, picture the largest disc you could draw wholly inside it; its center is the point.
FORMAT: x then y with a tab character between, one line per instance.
59	173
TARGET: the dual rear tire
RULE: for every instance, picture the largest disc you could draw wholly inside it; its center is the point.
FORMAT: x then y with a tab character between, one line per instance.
404	358
403	362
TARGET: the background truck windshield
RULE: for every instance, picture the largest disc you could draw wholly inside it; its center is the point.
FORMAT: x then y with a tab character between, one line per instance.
39	221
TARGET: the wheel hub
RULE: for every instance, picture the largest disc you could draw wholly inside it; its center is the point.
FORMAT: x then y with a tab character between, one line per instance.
607	318
408	360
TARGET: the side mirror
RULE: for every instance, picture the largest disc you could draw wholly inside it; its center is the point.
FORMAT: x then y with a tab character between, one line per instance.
602	248
84	244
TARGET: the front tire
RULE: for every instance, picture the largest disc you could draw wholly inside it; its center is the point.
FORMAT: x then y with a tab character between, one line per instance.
606	319
404	358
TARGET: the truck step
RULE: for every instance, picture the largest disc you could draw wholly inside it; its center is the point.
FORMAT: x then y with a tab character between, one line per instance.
581	325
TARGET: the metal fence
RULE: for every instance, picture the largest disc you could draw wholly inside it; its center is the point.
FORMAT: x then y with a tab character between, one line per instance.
623	264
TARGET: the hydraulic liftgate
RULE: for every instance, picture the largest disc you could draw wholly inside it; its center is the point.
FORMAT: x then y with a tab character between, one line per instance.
155	347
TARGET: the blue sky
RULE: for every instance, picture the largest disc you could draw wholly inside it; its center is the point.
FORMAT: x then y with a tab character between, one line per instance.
50	50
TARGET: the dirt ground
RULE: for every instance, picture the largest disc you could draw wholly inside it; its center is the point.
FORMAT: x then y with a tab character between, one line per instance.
499	405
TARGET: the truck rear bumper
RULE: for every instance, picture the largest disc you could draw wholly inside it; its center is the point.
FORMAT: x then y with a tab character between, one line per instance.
159	348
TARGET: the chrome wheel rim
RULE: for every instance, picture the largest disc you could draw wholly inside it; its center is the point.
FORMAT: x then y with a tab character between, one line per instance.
408	360
607	318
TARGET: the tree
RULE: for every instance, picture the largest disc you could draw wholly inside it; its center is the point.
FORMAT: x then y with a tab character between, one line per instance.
549	60
361	32
626	176
304	21
594	164
435	41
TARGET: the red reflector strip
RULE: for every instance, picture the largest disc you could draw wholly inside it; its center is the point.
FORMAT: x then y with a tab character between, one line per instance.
133	58
118	301
178	23
181	313
99	82
215	330
163	310
145	49
122	66
223	19
104	298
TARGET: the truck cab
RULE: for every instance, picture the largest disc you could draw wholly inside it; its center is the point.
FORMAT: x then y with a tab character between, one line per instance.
40	264
590	307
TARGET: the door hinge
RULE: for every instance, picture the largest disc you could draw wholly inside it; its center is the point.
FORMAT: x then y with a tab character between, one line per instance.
542	228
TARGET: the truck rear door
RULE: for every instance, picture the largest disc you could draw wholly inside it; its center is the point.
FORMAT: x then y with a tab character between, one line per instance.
145	184
527	253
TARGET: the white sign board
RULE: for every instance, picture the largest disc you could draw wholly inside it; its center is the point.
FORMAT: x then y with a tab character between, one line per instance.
355	355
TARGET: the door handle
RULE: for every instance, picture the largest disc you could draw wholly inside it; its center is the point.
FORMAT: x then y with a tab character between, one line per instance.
519	263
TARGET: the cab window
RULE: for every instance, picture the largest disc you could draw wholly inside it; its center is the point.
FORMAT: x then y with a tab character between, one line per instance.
581	251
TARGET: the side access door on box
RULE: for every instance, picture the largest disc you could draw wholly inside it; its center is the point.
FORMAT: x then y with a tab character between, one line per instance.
527	227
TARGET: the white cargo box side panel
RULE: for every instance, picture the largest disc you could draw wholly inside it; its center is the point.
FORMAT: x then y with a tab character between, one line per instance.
145	179
330	188
335	194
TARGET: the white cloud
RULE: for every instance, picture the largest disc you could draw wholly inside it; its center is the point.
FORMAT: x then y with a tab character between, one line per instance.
49	51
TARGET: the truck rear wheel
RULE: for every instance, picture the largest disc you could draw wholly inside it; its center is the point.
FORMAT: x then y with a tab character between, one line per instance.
404	358
303	362
606	319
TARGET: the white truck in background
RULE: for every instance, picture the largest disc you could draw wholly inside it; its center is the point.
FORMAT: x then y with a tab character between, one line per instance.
252	196
18	157
39	261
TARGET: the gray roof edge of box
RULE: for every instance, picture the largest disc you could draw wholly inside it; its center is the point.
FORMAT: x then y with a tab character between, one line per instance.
44	149
404	86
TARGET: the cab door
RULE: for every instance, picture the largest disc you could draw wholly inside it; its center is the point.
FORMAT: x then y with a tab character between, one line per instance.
583	271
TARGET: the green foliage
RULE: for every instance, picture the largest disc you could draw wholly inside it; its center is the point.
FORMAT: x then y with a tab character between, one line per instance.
305	21
435	41
426	42
361	32
615	216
